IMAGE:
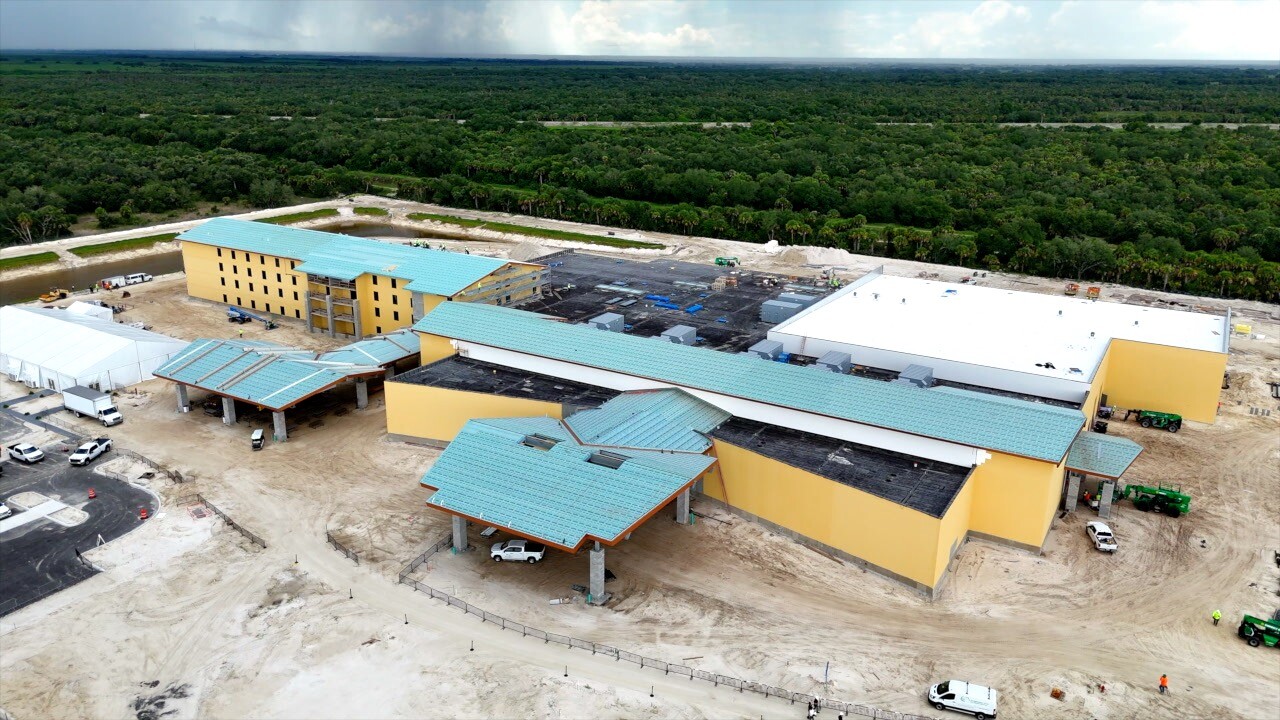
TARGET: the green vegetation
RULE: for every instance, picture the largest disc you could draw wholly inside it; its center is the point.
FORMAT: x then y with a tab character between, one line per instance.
13	263
299	216
370	211
1195	210
122	245
538	232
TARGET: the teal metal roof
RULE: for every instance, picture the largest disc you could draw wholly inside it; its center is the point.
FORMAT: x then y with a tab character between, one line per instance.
264	238
1102	455
272	375
380	350
554	495
668	419
435	272
1017	427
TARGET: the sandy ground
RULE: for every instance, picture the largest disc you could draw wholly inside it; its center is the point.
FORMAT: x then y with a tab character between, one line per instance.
190	617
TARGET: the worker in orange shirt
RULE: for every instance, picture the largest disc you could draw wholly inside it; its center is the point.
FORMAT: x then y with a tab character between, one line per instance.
1164	684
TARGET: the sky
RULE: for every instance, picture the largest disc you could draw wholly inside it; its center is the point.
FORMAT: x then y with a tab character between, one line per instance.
1197	30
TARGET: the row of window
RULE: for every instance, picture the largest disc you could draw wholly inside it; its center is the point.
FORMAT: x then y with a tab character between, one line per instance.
253	305
377	312
248	272
262	259
265	289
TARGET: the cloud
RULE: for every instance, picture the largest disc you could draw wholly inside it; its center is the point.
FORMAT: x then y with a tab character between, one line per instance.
955	34
1243	30
393	27
234	28
626	26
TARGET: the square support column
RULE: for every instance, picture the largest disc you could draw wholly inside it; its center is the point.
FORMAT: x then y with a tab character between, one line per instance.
281	431
328	314
682	507
355	319
595	594
183	405
362	394
311	324
459	534
391	372
228	411
1073	491
1105	490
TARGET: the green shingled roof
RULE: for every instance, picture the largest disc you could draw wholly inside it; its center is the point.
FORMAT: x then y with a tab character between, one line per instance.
435	272
275	376
554	494
1102	455
1017	427
668	419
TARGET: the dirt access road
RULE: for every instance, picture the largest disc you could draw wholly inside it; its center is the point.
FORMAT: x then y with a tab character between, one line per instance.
224	629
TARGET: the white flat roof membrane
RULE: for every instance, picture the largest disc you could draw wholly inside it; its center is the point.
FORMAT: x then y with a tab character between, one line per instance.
1051	336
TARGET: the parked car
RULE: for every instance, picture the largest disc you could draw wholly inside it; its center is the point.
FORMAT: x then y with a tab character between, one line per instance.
518	551
962	696
4	511
1101	535
136	278
26	452
90	451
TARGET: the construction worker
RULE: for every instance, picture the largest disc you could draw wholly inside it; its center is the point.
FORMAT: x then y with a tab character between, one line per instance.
241	333
1217	615
1164	684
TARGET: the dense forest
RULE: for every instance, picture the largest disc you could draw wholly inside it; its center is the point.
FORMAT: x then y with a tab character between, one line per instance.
1195	209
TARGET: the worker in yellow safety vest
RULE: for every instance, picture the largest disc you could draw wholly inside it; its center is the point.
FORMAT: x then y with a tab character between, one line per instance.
1217	615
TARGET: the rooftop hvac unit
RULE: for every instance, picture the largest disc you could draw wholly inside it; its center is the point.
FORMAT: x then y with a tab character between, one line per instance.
917	375
797	298
776	311
767	349
539	441
612	322
604	458
835	361
681	335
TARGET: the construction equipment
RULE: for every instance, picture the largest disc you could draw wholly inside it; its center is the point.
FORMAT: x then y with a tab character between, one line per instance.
728	261
1161	420
54	294
1167	500
1071	288
242	316
1257	631
1093	293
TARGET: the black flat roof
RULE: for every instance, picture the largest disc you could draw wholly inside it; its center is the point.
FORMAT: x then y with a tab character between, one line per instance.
924	485
459	373
595	291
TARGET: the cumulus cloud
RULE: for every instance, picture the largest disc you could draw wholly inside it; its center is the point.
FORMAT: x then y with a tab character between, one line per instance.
234	28
628	26
953	33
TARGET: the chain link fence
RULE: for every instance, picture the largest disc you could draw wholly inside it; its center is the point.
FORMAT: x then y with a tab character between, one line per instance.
351	554
619	655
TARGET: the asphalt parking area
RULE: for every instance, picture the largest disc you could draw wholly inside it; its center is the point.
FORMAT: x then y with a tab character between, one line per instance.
38	558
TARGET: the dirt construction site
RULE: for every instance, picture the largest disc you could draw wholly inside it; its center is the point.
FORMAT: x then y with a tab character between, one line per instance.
189	618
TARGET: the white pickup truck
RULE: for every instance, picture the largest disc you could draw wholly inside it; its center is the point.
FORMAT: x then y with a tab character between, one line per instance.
90	451
518	551
26	452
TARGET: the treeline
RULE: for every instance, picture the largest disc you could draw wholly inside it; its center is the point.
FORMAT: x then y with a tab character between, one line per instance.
1195	210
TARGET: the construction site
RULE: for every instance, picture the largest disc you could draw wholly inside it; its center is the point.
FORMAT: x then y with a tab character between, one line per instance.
757	474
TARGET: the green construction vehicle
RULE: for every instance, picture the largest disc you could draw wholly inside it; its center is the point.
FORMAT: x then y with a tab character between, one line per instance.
728	261
1163	499
1257	631
1164	421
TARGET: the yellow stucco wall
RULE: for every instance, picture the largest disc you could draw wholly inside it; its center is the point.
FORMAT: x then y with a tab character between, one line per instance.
1157	377
257	282
434	347
898	539
433	413
1015	498
954	526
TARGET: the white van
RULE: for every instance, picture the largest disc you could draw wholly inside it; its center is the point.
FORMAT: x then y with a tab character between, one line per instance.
966	697
135	278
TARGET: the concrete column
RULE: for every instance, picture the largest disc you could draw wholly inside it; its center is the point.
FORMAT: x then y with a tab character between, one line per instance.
355	313
459	534
1105	490
1073	491
362	394
281	431
596	584
682	507
306	310
228	411
183	405
415	302
328	313
391	372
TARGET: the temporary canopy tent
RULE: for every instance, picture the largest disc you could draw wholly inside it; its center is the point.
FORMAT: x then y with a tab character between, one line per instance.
83	308
55	349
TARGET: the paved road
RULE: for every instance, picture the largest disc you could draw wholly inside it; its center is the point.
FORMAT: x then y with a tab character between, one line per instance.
38	558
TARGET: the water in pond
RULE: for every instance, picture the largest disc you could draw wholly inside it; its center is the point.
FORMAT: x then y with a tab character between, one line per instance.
376	230
30	287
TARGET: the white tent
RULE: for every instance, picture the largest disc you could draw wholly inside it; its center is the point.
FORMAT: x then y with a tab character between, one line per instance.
83	308
55	349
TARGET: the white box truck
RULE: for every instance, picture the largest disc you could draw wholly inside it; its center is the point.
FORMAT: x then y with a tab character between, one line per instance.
87	401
